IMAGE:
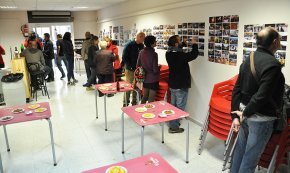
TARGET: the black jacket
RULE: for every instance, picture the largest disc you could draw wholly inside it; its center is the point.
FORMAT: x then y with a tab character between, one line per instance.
91	55
130	55
48	51
179	72
259	98
68	49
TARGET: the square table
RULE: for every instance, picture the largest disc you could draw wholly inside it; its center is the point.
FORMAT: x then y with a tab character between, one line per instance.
150	163
22	117
142	122
104	88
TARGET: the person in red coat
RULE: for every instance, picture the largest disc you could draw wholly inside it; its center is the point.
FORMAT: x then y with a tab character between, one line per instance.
112	46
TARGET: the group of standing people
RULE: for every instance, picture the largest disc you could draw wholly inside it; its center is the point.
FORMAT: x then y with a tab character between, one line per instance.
43	55
136	55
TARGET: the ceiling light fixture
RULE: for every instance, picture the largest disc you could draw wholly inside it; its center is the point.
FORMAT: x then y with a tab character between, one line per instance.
8	7
81	7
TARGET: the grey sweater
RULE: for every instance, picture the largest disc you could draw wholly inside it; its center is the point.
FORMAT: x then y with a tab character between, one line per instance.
33	55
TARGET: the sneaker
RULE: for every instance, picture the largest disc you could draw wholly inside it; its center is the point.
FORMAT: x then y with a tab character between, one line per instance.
63	76
90	89
179	130
75	81
69	83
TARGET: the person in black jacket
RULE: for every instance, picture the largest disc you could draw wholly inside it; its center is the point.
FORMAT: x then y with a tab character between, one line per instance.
91	56
48	54
129	60
69	55
255	101
60	56
179	75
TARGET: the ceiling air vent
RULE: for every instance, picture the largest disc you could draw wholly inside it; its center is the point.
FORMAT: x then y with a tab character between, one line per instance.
49	16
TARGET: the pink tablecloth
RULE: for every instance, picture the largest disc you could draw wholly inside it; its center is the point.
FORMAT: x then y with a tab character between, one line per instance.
124	87
151	163
22	117
159	107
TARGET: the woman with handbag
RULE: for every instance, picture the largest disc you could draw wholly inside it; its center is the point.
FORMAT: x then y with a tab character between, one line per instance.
148	60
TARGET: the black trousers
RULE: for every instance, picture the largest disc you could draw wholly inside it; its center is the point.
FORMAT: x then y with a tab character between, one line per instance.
88	70
48	62
70	71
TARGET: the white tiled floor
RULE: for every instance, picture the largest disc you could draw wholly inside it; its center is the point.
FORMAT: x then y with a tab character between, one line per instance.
82	144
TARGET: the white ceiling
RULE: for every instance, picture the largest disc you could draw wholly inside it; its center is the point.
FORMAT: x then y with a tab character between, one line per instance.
57	4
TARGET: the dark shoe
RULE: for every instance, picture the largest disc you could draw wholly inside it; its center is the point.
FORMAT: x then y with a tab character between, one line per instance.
86	85
125	105
101	95
63	76
50	80
110	95
179	130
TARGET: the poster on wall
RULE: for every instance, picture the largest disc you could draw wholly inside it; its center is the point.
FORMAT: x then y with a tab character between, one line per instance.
147	31
250	32
189	31
223	39
162	34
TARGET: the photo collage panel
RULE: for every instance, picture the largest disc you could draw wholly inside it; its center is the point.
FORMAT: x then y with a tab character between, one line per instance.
190	31
250	32
162	34
223	39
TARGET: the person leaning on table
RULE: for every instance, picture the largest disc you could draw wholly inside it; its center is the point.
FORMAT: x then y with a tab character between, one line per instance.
104	65
179	75
253	104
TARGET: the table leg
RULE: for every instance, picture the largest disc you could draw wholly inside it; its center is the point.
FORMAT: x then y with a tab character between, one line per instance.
162	126
52	141
187	142
96	98
123	133
105	108
6	138
1	166
142	140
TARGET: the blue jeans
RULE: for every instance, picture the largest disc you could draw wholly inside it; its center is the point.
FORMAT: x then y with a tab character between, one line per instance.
59	65
252	140
178	99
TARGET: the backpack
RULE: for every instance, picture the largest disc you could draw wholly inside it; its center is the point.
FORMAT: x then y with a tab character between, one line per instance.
139	74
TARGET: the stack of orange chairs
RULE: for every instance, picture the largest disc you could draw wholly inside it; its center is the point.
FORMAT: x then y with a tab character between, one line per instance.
218	121
163	84
275	151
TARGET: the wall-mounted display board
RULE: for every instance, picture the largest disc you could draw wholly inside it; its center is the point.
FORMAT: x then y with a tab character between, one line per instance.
223	39
250	32
162	34
189	31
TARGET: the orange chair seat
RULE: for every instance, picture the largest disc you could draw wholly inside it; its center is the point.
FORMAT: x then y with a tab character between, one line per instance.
221	104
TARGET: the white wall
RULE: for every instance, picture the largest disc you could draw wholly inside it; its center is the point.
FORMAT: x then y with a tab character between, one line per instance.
11	35
84	21
10	32
204	73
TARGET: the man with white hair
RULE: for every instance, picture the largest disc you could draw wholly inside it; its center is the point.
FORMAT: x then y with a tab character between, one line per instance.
104	65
